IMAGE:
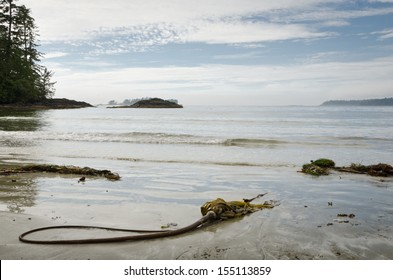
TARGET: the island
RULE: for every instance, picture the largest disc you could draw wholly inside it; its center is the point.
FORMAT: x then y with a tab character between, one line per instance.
151	103
365	102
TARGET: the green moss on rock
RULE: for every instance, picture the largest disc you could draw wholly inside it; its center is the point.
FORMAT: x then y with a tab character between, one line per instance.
324	163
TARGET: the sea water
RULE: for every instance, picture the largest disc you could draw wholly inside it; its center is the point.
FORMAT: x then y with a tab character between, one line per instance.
247	136
173	160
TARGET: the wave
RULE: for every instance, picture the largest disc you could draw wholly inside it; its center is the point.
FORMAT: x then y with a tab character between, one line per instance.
137	138
10	118
198	162
182	139
253	142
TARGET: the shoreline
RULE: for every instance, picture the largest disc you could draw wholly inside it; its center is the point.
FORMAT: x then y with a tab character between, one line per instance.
55	103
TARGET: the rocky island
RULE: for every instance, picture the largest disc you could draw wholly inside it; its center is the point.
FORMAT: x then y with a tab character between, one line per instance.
152	103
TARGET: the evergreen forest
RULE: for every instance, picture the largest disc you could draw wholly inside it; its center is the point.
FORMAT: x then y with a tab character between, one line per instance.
22	78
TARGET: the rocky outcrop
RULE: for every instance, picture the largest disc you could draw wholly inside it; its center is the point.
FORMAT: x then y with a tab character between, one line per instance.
152	103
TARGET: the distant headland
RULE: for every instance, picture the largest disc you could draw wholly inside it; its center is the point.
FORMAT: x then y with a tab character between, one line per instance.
48	103
149	103
365	102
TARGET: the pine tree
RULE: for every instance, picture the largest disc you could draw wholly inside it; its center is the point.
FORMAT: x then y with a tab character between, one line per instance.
23	80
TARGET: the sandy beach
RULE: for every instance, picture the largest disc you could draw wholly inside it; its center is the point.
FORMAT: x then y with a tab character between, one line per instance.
308	223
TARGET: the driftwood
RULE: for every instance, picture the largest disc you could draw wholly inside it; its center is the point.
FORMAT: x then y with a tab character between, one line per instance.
60	169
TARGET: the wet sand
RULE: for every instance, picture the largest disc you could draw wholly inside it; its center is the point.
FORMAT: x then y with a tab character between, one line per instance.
306	225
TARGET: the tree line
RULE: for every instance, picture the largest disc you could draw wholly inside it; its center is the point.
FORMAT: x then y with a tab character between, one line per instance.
22	78
366	102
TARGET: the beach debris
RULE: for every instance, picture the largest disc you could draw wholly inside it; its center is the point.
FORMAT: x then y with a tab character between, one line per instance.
232	209
318	167
351	216
330	203
168	225
314	170
213	211
61	169
251	199
322	166
342	221
377	170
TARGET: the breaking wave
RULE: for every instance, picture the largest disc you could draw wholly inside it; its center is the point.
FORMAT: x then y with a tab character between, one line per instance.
137	138
183	139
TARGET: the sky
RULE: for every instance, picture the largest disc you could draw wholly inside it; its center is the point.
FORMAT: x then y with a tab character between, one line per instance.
217	52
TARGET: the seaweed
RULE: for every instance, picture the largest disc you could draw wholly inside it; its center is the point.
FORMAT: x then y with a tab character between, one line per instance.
61	169
376	170
315	170
234	209
322	166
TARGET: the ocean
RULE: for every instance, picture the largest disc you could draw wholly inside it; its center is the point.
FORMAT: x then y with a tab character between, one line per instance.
246	136
173	160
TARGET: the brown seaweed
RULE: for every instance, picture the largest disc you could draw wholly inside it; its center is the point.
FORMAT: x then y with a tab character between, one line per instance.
61	169
323	166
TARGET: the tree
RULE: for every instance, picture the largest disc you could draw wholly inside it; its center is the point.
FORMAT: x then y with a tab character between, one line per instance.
23	80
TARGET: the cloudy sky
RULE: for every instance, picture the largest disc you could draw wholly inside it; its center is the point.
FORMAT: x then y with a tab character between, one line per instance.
222	52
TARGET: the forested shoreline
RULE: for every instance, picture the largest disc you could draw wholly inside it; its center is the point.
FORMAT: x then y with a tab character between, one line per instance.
366	102
22	78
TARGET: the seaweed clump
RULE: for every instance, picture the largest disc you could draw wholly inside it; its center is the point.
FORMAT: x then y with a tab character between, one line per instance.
377	170
318	167
61	169
234	209
322	166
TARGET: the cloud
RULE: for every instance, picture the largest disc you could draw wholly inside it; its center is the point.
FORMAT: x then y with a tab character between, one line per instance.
77	20
89	33
142	38
336	23
308	84
384	34
54	55
382	1
326	14
232	32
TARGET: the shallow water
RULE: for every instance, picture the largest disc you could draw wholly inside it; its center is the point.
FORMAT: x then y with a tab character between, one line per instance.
172	161
246	135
